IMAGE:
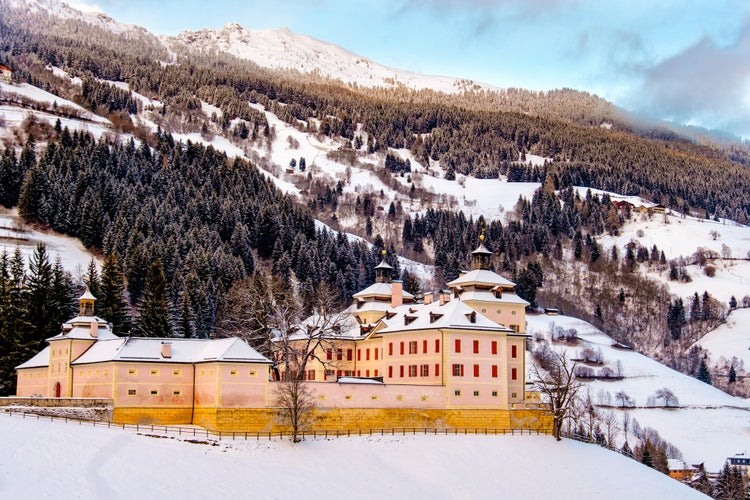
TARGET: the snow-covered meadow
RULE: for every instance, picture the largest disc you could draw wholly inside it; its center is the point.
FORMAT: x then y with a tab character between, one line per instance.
47	459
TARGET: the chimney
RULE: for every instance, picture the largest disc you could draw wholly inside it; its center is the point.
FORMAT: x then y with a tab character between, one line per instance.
428	298
397	293
445	296
94	329
166	349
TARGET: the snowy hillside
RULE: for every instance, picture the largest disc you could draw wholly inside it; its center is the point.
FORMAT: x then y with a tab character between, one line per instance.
732	339
95	462
707	424
284	49
14	233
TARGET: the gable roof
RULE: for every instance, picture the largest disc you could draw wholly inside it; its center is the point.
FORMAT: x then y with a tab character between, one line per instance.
380	290
80	328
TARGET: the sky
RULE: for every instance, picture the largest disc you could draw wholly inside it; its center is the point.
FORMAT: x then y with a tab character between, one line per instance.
686	61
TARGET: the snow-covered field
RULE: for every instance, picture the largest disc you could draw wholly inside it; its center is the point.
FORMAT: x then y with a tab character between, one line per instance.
708	425
15	234
46	459
732	339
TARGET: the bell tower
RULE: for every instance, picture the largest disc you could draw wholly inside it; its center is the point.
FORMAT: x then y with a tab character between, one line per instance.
86	303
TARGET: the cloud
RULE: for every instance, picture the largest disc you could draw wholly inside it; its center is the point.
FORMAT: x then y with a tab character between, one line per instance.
706	84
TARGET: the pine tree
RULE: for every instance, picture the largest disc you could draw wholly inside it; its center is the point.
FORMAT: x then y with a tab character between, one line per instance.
185	326
647	460
112	305
39	302
703	374
93	282
153	310
732	375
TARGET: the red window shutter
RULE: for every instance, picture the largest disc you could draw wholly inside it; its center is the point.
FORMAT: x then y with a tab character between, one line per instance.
494	371
359	354
494	347
367	373
424	346
462	370
348	354
338	373
358	373
514	351
437	345
437	370
458	345
329	354
402	348
476	370
367	354
476	347
514	374
390	372
376	353
339	354
390	348
401	371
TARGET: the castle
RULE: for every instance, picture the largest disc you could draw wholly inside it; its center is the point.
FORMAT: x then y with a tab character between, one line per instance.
455	361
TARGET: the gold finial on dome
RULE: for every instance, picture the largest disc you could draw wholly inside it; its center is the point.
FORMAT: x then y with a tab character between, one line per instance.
383	252
481	237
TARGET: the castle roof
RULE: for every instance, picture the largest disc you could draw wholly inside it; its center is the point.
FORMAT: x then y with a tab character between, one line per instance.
481	277
182	351
451	314
79	328
39	361
380	290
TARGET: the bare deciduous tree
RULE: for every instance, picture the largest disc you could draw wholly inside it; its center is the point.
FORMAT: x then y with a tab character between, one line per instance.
559	387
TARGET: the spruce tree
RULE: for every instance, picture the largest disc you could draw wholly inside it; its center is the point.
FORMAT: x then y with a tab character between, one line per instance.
153	310
92	280
112	305
732	375
39	302
703	374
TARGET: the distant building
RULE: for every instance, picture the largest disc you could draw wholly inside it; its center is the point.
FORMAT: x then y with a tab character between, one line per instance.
681	471
6	74
742	462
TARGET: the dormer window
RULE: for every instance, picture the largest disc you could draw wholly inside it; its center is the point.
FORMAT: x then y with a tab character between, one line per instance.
409	319
472	317
434	317
389	314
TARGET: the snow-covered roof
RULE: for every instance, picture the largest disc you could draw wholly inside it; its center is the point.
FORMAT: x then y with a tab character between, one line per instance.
87	295
488	296
80	328
358	380
182	351
675	464
39	361
381	290
481	276
452	314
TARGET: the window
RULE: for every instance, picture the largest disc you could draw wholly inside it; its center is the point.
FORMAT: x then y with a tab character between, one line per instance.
457	347
494	347
476	370
154	372
494	394
154	392
513	395
476	347
367	354
131	392
458	370
390	372
402	348
176	373
376	373
413	347
514	351
367	373
437	345
376	353
437	370
359	354
425	371
339	354
338	373
424	347
176	393
514	374
131	371
359	373
457	393
401	371
494	371
476	393
349	354
329	354
390	348
253	373
412	370
233	372
310	374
